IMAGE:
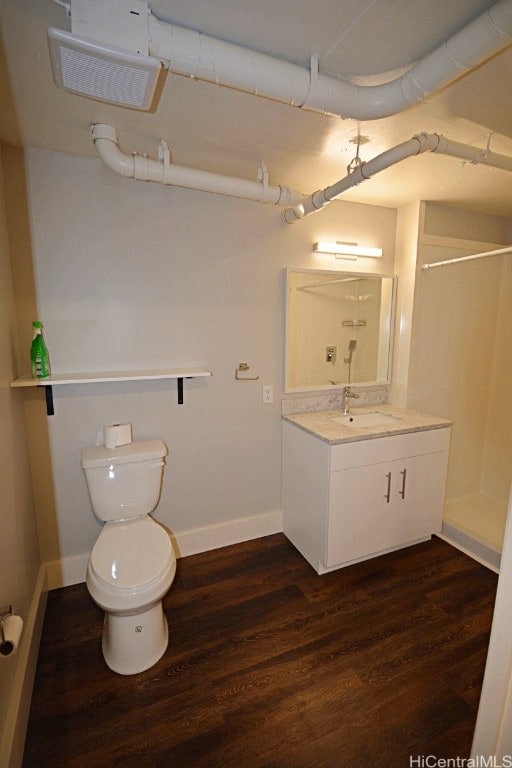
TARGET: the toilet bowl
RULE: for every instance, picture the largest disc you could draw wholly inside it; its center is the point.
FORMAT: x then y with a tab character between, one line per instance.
132	564
131	568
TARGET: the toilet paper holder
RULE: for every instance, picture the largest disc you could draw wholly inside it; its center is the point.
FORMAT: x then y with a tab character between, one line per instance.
5	645
243	367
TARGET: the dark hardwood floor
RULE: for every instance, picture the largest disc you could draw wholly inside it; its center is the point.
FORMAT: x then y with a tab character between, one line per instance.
272	666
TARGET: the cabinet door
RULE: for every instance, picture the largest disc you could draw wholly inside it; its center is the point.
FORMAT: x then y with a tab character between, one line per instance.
417	497
358	523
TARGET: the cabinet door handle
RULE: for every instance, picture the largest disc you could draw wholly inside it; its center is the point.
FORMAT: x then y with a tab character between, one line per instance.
387	495
403	472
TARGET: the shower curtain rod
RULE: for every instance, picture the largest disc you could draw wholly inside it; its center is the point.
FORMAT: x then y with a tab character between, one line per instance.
498	252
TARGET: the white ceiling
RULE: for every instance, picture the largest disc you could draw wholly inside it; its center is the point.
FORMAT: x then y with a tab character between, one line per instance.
216	129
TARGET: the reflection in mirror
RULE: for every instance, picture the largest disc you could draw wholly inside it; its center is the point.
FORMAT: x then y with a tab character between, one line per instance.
338	329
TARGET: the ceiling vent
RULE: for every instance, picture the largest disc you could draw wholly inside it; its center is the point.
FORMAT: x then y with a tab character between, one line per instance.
117	70
100	72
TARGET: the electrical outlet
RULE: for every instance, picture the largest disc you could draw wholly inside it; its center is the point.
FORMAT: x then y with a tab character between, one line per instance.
268	393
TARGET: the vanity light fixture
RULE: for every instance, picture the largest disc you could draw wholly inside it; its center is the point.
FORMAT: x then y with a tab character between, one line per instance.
347	250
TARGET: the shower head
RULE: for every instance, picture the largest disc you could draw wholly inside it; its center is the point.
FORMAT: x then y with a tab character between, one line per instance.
351	347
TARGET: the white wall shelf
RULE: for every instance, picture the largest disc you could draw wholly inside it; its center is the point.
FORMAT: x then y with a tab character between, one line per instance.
59	379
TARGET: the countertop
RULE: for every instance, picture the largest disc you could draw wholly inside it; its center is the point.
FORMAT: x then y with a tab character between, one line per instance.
322	425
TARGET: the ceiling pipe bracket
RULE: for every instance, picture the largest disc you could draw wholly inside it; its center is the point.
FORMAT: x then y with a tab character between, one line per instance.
164	153
263	177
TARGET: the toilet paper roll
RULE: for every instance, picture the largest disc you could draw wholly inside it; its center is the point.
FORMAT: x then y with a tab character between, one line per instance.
117	434
12	626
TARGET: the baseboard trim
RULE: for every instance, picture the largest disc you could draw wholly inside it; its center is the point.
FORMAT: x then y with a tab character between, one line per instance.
72	570
13	738
68	571
197	540
472	547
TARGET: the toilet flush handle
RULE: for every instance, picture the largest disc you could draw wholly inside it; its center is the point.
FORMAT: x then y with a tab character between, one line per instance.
156	464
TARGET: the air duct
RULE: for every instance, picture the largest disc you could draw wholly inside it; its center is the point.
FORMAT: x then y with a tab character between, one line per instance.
192	54
199	56
423	142
164	172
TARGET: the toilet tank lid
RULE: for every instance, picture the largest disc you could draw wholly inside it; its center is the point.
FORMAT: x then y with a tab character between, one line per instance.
140	450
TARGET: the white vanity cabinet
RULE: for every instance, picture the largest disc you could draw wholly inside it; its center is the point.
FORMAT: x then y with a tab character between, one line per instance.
350	501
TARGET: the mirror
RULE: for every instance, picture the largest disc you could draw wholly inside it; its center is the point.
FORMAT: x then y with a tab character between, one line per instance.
338	329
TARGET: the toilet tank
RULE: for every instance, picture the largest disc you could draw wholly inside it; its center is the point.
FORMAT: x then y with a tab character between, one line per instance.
124	482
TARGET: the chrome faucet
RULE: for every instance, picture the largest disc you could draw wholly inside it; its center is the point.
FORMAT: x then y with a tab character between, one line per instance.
347	392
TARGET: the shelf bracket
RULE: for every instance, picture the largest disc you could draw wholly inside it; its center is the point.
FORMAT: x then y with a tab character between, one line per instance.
48	393
180	388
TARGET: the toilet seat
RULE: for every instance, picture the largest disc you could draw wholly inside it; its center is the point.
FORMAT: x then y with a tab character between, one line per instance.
130	554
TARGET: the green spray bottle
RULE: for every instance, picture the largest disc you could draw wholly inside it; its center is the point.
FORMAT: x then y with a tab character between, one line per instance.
39	353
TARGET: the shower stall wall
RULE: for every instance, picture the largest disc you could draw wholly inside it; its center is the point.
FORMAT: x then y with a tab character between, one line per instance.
461	368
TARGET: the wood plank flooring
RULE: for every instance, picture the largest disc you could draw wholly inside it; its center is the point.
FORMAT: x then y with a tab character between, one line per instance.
271	666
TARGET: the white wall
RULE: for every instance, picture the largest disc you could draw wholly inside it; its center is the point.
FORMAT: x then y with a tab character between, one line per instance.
134	275
409	225
21	582
497	450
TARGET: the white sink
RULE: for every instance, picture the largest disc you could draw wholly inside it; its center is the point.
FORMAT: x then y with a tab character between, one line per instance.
372	419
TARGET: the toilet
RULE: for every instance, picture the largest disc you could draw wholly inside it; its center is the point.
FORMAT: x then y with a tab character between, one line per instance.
132	564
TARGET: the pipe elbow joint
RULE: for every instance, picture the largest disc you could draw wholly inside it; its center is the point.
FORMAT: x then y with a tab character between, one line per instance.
441	143
291	215
319	200
428	142
289	197
105	139
500	18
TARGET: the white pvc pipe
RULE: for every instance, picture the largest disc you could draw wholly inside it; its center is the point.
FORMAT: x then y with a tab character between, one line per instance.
423	142
193	54
164	172
472	154
322	197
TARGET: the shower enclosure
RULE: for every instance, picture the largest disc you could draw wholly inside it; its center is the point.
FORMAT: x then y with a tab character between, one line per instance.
461	369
